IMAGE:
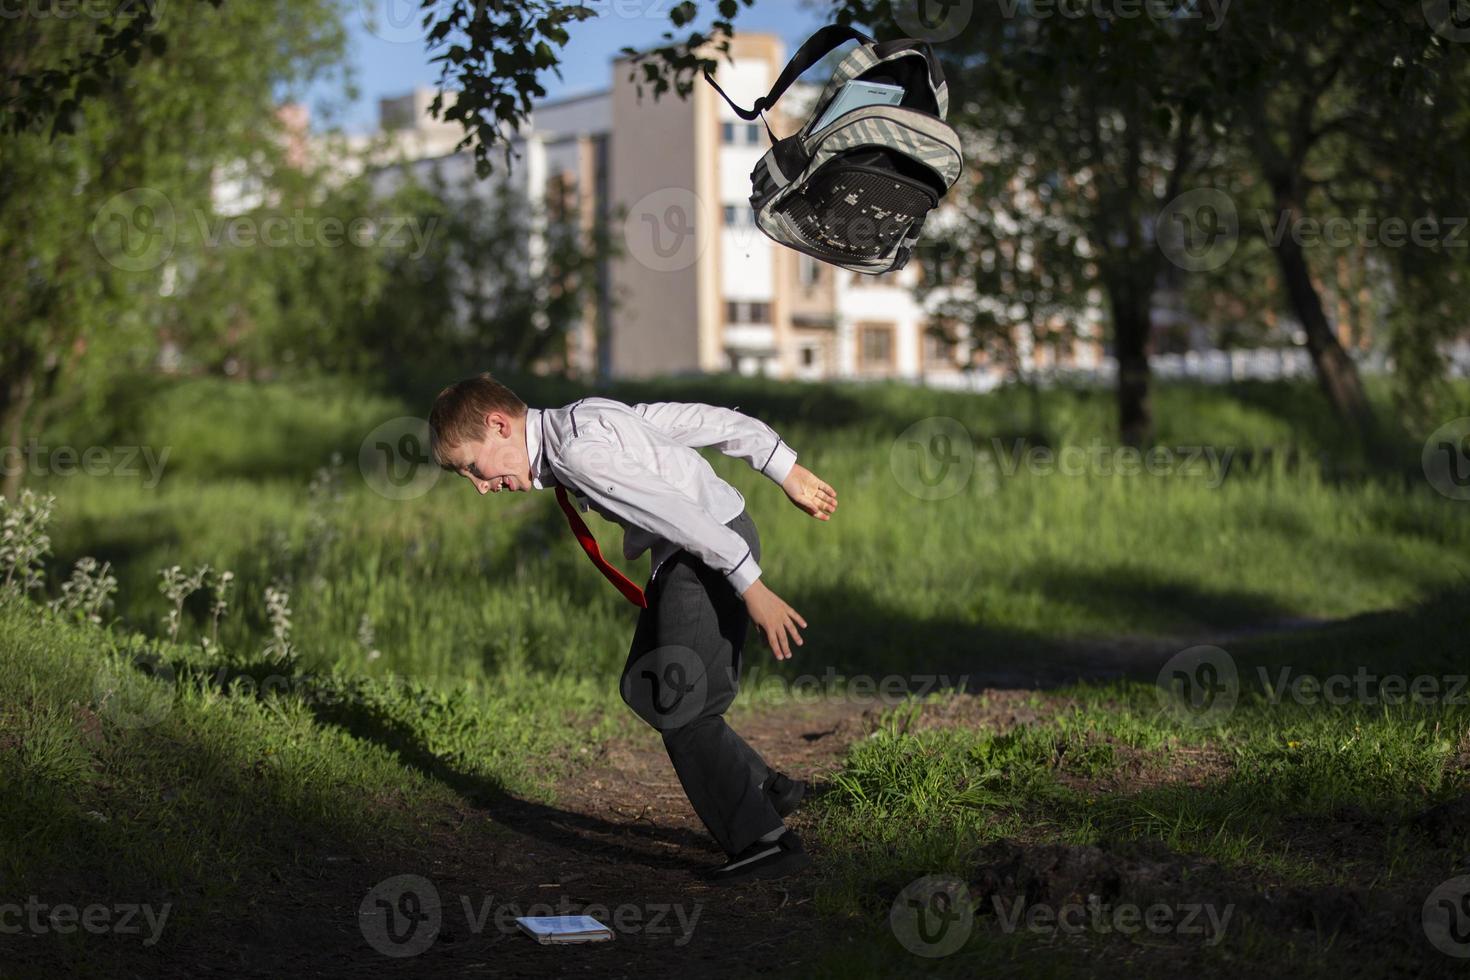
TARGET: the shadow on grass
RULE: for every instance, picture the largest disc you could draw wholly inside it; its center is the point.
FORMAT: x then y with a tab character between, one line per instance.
562	828
861	635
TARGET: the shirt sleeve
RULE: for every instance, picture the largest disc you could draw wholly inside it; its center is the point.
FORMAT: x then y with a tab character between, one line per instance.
622	485
695	424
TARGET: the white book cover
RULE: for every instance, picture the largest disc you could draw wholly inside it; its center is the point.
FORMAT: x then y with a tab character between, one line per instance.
855	95
564	928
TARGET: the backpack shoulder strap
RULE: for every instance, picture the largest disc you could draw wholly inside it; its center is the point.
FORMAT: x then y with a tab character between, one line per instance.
812	51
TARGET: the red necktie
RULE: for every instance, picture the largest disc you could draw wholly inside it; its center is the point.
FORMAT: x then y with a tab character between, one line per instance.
589	545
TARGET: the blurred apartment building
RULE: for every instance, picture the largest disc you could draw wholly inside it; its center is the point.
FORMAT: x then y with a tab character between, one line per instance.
697	287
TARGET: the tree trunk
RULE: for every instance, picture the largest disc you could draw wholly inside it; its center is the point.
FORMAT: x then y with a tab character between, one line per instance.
1336	372
1132	323
17	393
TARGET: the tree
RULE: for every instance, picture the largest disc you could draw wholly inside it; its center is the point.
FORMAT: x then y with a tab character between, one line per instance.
89	211
1095	121
491	54
1346	110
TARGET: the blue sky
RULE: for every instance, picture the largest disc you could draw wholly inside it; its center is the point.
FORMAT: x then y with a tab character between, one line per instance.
390	59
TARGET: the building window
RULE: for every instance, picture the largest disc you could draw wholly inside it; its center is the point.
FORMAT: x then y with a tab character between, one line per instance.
739	216
939	351
808	356
875	345
752	134
727	132
808	270
741	311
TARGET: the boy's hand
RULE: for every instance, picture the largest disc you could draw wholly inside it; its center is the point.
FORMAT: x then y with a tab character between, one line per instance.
774	618
810	492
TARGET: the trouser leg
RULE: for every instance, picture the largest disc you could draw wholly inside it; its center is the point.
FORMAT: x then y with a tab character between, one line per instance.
683	672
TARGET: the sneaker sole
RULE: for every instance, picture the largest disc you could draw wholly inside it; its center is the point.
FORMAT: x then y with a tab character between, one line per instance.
793	861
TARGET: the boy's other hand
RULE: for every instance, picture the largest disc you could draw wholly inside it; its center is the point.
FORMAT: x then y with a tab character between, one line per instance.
810	492
774	618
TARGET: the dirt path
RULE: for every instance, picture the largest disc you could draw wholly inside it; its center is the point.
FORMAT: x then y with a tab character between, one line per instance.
619	841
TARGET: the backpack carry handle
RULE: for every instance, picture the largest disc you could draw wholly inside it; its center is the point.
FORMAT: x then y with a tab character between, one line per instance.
812	51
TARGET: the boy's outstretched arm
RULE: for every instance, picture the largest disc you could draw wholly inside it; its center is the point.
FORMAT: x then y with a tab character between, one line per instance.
735	434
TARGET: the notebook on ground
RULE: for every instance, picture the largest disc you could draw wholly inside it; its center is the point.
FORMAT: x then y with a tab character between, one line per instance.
564	928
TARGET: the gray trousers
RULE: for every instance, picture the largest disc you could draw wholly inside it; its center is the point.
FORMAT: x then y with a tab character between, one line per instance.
683	671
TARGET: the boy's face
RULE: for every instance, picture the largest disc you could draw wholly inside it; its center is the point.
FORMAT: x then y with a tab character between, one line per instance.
499	460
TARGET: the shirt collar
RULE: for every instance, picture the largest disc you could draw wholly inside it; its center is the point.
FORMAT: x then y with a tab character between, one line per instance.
535	447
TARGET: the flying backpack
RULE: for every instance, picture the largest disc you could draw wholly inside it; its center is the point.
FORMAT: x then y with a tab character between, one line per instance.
855	193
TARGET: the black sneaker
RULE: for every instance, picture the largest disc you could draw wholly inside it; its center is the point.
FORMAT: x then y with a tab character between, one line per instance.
763	859
786	793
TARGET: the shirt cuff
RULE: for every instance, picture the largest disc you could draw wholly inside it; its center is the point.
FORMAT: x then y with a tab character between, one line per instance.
783	457
743	575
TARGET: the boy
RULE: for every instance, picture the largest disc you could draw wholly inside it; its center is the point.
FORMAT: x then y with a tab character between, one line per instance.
638	465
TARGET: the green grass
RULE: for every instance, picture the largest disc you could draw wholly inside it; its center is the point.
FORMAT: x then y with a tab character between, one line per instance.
442	642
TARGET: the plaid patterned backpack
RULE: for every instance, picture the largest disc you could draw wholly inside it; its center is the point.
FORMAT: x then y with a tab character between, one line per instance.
855	192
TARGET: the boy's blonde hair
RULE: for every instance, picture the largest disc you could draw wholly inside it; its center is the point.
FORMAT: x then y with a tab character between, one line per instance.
458	415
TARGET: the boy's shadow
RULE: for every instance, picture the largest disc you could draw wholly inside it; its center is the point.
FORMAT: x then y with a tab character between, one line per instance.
635	842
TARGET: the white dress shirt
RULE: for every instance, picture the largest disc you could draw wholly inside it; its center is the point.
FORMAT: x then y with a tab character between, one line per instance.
637	465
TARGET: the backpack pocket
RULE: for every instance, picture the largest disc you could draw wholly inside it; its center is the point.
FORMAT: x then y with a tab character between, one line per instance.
859	204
